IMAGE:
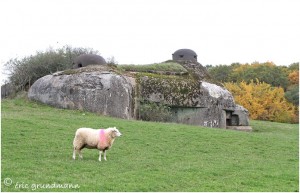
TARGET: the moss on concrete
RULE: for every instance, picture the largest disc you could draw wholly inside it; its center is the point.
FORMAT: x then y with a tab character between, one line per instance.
164	67
172	90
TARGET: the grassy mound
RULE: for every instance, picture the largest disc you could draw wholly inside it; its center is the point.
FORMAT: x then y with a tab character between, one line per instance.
168	66
37	154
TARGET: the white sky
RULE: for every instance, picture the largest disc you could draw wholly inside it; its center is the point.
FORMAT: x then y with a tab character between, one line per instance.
148	31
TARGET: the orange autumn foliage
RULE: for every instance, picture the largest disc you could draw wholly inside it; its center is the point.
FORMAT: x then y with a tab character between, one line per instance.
294	77
263	101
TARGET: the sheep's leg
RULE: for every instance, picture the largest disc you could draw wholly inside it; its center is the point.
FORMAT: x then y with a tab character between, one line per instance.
74	154
78	151
100	154
80	154
104	155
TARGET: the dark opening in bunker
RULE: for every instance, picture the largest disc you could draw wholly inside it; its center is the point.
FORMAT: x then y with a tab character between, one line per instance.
234	120
231	119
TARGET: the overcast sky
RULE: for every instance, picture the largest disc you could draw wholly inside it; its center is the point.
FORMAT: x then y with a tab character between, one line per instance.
148	31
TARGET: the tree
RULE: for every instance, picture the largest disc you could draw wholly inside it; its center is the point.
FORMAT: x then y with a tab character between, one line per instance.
222	73
292	95
266	72
24	72
263	101
294	77
294	66
111	61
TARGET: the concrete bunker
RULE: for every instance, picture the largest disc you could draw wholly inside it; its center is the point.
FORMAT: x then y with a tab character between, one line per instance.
184	55
88	59
192	98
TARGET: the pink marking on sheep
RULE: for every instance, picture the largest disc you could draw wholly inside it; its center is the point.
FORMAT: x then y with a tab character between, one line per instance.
103	139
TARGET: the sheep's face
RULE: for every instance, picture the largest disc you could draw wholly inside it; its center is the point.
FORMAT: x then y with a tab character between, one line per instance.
115	132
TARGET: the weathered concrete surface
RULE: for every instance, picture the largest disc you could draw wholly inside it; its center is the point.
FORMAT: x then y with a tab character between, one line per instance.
192	98
101	92
243	115
194	102
207	117
184	54
87	59
184	93
196	70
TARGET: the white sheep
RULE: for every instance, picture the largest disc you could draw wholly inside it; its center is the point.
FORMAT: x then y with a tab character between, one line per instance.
101	139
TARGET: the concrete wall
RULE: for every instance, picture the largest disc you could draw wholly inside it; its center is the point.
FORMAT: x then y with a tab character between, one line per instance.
100	92
199	116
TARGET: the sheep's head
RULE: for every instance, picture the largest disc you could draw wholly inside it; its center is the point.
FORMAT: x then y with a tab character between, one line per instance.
114	132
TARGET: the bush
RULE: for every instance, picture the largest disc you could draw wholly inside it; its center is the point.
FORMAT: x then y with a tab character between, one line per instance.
263	101
111	61
24	72
151	111
292	95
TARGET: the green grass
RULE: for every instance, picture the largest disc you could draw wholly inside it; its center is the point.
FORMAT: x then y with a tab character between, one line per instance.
37	149
165	66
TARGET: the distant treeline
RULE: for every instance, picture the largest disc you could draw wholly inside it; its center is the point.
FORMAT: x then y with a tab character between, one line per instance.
268	91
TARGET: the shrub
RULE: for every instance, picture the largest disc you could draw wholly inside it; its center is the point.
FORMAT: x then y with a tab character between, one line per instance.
151	111
111	61
292	94
24	72
263	101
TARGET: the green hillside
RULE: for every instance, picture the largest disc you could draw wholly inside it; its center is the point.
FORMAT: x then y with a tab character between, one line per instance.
36	145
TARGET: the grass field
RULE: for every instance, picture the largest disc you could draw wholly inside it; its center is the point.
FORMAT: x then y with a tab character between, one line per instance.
37	154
